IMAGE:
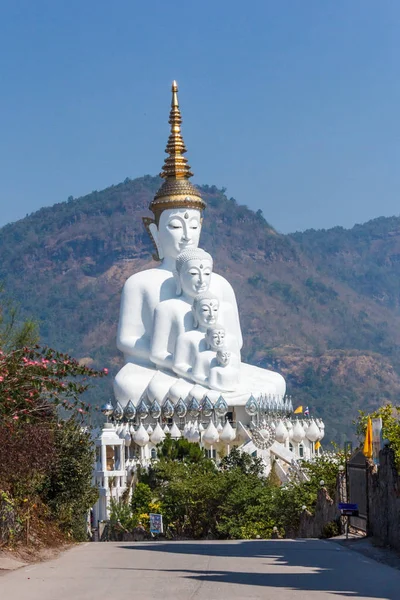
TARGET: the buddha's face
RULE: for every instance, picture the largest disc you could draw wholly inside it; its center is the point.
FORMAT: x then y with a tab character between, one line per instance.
206	312
178	229
216	338
195	276
223	357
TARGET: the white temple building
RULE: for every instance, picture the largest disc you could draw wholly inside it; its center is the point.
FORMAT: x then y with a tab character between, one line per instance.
179	331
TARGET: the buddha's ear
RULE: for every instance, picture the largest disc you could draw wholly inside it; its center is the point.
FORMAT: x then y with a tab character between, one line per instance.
178	283
195	321
152	230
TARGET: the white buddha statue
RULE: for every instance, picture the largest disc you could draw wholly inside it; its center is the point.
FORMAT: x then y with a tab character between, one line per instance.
154	312
191	344
196	350
224	369
174	316
176	226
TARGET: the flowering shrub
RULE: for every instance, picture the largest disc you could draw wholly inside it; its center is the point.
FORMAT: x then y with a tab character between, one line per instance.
35	381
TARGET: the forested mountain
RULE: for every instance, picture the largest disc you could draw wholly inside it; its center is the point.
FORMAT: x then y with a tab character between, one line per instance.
322	307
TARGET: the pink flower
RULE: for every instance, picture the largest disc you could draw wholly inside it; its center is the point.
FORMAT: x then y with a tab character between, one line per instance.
1	378
105	371
15	417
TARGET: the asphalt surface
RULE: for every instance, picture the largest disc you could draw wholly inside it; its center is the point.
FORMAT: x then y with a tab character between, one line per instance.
209	570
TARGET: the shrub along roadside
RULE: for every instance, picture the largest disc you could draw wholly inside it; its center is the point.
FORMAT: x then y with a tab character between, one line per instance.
234	501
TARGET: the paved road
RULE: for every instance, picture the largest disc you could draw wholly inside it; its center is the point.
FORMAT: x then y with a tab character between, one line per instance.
274	569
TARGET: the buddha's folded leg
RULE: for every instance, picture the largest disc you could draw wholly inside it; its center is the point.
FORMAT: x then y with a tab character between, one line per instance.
180	389
130	383
159	386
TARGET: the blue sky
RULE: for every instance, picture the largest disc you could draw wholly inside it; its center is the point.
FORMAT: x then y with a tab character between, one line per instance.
293	106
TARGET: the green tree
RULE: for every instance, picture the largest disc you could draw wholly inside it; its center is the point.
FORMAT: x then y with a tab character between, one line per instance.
68	490
141	498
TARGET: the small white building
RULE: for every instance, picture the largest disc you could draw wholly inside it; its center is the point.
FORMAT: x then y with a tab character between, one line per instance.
280	441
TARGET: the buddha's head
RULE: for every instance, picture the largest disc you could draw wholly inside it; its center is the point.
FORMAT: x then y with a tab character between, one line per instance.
174	230
223	357
178	205
193	272
215	337
205	310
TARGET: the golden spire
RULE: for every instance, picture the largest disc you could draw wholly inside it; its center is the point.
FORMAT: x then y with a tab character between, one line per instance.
176	191
176	164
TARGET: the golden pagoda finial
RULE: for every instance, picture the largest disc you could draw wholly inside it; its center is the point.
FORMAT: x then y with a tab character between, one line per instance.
175	165
176	191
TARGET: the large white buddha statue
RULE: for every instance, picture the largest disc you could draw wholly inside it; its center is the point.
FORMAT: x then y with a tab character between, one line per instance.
156	303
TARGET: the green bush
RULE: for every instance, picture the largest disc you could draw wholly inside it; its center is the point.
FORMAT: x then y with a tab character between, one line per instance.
331	529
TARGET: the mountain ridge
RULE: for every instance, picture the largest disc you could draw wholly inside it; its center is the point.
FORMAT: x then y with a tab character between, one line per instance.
321	306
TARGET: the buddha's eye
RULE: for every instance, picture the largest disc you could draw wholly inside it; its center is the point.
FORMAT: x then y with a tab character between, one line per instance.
175	225
193	272
207	272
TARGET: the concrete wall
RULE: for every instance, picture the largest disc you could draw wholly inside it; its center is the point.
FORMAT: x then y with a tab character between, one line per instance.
326	511
384	500
383	495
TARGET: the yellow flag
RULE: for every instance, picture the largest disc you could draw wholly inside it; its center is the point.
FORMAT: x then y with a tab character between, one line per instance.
298	410
317	445
368	440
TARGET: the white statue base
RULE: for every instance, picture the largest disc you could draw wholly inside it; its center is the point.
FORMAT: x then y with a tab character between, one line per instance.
133	381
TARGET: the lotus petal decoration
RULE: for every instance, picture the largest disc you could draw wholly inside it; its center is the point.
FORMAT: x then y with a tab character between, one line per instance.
130	411
313	433
141	437
158	435
210	436
167	409
251	406
207	407
149	430
186	429
228	434
118	412
298	432
155	410
193	407
175	432
281	433
180	409
142	409
221	407
166	429
127	437
194	435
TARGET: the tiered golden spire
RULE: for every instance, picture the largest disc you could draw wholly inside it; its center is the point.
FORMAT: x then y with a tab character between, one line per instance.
176	164
176	191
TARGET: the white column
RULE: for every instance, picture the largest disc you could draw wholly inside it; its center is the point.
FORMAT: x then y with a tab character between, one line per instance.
103	457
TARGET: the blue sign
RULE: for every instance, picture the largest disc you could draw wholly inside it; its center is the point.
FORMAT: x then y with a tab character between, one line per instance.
348	510
346	506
